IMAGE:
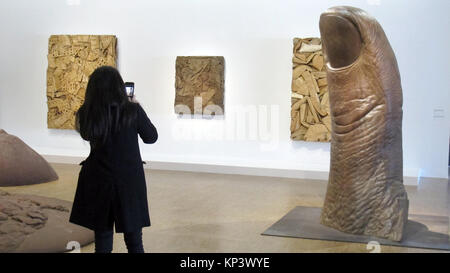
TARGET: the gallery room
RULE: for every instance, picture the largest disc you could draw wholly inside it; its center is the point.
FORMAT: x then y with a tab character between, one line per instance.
218	126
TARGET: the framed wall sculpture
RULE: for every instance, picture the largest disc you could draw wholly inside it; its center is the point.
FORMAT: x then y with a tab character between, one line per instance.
310	109
71	59
199	85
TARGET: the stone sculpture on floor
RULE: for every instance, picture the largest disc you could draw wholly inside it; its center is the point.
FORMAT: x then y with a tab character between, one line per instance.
31	223
365	192
20	164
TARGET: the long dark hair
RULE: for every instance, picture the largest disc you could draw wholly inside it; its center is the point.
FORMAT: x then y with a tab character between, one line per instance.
106	108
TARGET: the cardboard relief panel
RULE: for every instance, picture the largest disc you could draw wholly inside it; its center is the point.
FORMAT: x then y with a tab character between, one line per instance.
199	85
310	108
71	60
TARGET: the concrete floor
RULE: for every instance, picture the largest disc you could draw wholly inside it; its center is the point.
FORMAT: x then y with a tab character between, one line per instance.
201	212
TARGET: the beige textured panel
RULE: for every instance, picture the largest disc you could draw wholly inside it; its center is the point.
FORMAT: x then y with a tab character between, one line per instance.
71	59
310	107
199	77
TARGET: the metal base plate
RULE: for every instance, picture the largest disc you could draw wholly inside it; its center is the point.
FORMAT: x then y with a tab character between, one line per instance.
422	231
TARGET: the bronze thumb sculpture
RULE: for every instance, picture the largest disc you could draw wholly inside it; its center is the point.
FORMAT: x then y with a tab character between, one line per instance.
365	193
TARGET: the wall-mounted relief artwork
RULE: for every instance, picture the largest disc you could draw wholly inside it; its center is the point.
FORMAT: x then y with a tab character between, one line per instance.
199	85
71	59
310	108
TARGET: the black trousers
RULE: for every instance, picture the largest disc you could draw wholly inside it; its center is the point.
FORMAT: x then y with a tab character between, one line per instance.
104	241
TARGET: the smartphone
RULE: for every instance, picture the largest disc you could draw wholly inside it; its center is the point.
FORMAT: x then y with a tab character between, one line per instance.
129	87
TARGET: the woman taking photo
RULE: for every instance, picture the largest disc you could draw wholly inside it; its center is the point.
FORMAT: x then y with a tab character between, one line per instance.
111	187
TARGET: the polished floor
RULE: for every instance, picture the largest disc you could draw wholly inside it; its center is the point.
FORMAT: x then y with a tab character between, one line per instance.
201	212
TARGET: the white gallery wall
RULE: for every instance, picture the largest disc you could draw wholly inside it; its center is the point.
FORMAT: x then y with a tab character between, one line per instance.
255	37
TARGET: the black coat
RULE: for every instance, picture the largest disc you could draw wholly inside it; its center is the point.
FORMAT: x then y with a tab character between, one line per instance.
111	184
